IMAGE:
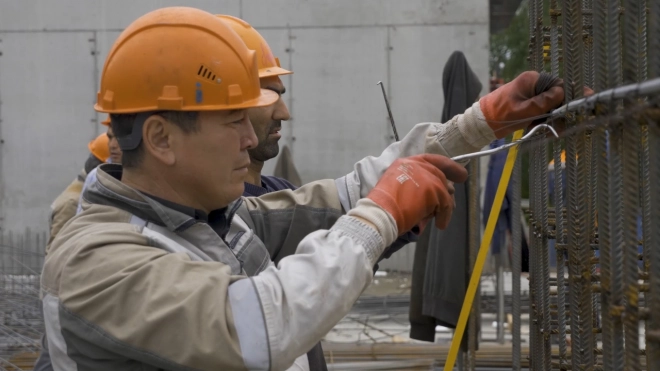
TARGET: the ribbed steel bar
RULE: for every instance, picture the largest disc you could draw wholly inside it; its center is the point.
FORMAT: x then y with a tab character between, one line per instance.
536	24
591	197
589	77
560	242
578	254
654	39
541	215
545	259
601	49
631	212
587	6
631	67
516	239
474	237
536	63
616	187
645	178
645	168
642	50
554	38
558	200
617	241
604	243
653	346
535	258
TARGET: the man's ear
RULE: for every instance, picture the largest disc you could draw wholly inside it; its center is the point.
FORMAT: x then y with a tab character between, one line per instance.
157	139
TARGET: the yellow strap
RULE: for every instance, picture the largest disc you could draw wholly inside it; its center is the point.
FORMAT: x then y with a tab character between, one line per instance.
483	253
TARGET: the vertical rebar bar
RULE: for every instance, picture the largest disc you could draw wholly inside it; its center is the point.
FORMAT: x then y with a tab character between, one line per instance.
631	69
604	243
617	241
631	212
653	345
616	189
536	296
601	188
558	199
560	242
579	253
653	38
645	172
545	259
516	263
587	5
602	181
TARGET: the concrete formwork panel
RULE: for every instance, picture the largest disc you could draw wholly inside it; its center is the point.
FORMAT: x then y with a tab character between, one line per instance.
46	82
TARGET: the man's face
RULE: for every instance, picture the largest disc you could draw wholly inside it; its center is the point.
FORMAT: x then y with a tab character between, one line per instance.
213	161
267	122
113	144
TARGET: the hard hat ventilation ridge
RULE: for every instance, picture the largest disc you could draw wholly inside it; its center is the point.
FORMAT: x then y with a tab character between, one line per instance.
206	73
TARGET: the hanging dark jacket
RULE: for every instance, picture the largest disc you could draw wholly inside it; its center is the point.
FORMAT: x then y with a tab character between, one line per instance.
440	268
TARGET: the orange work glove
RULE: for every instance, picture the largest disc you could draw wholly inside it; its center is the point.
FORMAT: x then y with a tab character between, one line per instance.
517	100
415	189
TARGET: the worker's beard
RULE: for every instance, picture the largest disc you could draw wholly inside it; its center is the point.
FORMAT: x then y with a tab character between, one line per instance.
268	147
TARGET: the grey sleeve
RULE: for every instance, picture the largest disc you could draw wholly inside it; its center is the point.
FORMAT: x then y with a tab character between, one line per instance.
286	309
463	134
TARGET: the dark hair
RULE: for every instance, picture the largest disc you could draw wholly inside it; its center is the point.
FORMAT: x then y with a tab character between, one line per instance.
122	125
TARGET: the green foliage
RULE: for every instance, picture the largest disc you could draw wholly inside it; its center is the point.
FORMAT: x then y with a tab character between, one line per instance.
509	48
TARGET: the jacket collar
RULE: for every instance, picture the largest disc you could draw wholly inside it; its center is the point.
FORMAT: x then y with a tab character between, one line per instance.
110	191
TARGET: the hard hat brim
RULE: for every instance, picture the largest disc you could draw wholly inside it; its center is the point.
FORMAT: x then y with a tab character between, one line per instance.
273	71
266	98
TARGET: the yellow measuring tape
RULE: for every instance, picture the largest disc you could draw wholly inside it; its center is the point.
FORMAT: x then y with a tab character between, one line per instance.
483	253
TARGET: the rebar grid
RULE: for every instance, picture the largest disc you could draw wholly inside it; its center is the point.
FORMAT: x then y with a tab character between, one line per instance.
605	204
21	319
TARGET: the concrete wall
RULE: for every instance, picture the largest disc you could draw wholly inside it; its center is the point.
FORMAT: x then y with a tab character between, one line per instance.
51	54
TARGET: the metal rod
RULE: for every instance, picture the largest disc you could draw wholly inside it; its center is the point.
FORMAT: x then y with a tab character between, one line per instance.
653	347
649	87
389	111
528	136
516	264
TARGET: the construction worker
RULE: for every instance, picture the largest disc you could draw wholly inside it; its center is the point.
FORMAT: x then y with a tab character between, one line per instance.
115	158
64	206
167	267
266	121
103	148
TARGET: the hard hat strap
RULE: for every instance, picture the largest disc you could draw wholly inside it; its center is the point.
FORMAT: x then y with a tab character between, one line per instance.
132	141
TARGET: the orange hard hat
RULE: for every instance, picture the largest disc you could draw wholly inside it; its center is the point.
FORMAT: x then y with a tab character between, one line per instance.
180	59
99	147
268	64
106	122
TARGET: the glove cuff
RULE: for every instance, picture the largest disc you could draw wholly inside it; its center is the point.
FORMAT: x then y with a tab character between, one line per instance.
474	127
465	133
370	211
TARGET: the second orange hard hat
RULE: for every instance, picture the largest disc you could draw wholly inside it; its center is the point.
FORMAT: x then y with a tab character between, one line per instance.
268	64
